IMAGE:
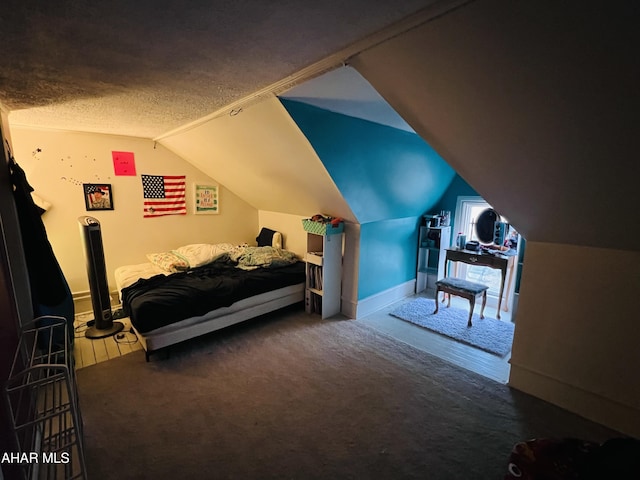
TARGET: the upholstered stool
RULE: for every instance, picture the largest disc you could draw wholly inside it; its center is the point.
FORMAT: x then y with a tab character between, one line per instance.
465	289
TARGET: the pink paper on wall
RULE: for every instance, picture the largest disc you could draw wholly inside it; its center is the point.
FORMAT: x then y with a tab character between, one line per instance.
124	163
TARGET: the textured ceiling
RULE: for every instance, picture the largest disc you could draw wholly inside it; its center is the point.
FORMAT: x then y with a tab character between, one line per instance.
143	68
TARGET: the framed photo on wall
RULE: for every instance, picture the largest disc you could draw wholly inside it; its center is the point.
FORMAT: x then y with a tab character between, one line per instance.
98	196
207	199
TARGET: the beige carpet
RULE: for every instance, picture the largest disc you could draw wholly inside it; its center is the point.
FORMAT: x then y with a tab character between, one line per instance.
292	396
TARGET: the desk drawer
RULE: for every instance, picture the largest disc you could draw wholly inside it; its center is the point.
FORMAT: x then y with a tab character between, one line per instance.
473	258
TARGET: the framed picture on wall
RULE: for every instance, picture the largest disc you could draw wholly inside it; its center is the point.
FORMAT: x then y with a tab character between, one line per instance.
98	196
207	199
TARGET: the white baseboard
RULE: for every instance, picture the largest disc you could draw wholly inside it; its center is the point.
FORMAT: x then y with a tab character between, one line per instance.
380	300
614	415
82	300
349	308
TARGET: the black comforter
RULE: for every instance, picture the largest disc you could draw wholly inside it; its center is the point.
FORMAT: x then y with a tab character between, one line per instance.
161	300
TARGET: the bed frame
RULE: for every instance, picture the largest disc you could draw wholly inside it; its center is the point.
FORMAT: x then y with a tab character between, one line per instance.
240	311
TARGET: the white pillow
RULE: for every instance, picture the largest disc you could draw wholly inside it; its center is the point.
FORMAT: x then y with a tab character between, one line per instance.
277	240
170	262
199	254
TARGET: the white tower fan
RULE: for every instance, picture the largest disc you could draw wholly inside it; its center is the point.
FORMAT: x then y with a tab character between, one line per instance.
103	325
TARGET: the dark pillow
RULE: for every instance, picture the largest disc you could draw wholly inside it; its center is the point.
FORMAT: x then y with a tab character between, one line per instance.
265	237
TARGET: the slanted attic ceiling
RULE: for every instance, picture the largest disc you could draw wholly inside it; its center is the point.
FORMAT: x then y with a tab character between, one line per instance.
144	68
534	104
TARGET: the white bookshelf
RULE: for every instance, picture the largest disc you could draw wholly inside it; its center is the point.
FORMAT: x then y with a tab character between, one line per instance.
324	274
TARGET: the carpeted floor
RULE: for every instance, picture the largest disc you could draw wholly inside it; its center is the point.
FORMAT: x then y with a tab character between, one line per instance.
488	334
293	396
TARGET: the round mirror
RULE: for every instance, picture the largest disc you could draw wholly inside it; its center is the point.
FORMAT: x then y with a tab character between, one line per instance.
485	225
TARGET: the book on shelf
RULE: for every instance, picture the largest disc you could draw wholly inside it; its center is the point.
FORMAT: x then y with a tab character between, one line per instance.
315	277
314	302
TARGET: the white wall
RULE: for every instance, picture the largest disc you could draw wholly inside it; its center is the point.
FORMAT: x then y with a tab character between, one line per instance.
57	163
350	270
261	155
577	336
295	239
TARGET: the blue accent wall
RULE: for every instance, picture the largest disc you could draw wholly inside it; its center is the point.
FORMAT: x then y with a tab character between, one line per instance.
381	171
389	178
388	254
457	188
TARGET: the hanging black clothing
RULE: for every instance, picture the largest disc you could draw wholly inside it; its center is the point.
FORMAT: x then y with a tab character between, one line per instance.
48	285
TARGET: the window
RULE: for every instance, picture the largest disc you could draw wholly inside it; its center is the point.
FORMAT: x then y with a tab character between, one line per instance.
467	211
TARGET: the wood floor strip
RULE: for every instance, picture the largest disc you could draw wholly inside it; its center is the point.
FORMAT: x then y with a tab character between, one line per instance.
91	351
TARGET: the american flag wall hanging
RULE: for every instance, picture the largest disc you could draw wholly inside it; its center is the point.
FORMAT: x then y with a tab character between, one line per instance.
164	195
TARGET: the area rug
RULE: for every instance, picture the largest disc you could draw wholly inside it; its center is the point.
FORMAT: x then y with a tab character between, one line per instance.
488	334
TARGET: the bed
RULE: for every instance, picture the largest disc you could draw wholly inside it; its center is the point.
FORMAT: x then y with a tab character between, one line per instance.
200	288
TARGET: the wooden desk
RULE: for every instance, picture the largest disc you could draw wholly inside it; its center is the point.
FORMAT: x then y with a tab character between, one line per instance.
499	262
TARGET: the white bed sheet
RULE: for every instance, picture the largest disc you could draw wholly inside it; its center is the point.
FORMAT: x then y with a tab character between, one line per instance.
129	274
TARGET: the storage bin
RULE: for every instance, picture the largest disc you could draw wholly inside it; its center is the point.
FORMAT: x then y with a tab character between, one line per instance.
322	228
